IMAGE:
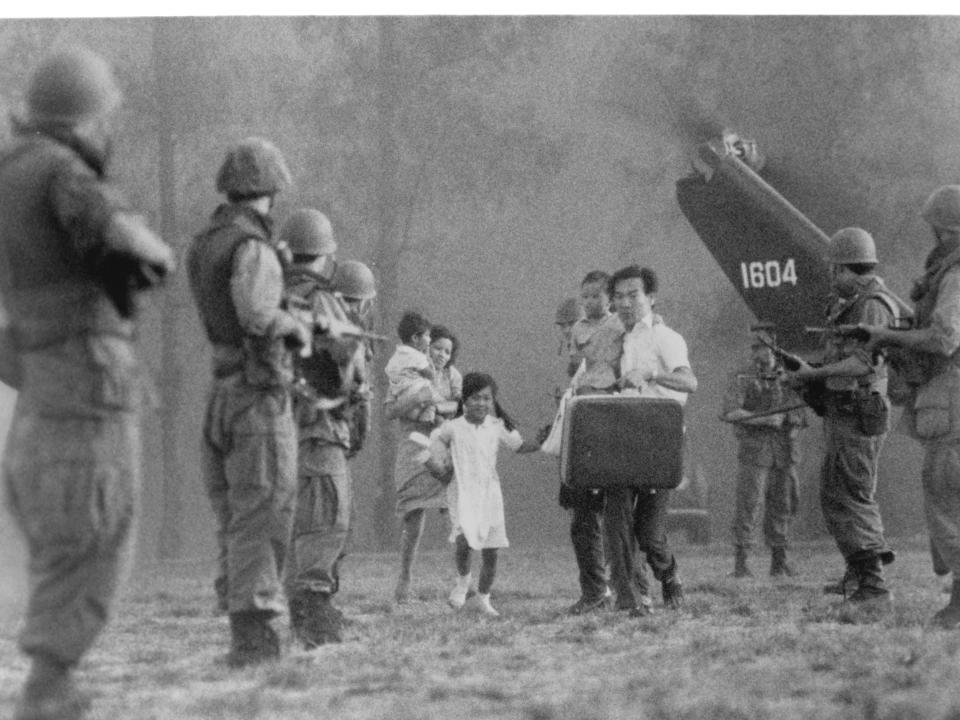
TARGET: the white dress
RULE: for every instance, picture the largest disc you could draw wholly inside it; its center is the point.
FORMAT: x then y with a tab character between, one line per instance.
474	498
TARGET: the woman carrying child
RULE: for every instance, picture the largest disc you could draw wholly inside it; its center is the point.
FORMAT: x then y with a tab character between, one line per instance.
417	490
471	441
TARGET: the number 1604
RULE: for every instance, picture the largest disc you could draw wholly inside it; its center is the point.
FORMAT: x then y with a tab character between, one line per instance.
772	273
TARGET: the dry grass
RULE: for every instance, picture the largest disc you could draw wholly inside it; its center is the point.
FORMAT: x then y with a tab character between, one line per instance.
741	650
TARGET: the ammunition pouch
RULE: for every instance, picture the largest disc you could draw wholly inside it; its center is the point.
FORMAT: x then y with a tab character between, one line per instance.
936	411
908	370
870	408
873	413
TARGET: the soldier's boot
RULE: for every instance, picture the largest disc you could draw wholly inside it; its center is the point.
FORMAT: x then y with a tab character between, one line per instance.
779	567
298	612
323	623
252	639
870	586
845	585
49	693
948	618
672	589
740	567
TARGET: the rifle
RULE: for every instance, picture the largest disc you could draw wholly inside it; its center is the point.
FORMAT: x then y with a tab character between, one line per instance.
765	413
812	392
789	361
858	333
323	325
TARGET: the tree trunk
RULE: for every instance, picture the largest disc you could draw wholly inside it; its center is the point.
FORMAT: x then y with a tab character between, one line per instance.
386	260
170	541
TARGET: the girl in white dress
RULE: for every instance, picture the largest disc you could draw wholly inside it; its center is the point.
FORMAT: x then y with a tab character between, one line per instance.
469	443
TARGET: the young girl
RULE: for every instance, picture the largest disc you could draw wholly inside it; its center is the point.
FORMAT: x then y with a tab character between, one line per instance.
474	499
423	491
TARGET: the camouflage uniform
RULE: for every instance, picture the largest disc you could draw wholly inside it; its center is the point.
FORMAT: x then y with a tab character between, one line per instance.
71	256
934	414
848	478
249	437
768	456
335	373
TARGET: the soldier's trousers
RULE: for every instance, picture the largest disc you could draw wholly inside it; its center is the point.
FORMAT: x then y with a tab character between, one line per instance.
779	486
635	522
941	497
321	525
848	486
249	457
73	486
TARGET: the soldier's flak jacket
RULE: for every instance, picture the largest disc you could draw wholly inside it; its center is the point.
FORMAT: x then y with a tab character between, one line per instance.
261	353
933	413
847	311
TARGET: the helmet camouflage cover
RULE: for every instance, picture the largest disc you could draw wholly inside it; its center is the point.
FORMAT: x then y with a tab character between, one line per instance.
353	279
850	246
71	86
308	232
942	208
252	168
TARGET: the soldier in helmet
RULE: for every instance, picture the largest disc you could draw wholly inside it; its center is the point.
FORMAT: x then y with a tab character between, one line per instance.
769	451
74	256
856	414
335	373
354	284
249	437
929	355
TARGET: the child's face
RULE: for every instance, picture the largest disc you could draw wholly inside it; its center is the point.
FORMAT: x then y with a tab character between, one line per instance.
421	341
440	351
596	302
477	406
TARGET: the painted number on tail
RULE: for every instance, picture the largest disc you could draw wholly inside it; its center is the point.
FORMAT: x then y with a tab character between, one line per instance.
769	274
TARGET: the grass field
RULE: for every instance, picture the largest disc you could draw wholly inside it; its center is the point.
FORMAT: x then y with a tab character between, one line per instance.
739	650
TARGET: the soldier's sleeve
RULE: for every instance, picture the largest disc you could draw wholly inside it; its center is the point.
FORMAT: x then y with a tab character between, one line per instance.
945	318
875	312
257	291
83	206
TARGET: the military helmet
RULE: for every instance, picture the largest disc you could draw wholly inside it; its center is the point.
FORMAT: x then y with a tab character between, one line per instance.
569	311
308	232
353	279
71	86
850	246
252	168
942	208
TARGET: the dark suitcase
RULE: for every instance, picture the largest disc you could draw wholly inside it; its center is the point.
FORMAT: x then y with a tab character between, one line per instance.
611	440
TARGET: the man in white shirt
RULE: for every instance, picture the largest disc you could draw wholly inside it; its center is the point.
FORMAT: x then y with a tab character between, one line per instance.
654	362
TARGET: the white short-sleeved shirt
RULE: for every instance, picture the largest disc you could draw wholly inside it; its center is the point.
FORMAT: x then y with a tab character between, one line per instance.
474	497
652	346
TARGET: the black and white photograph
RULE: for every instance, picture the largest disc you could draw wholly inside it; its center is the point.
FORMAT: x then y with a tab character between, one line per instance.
496	363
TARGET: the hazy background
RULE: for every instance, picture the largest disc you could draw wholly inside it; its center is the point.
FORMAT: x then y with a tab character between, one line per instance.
482	165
